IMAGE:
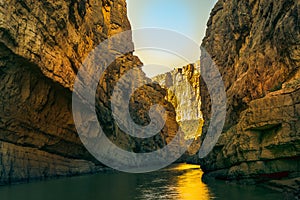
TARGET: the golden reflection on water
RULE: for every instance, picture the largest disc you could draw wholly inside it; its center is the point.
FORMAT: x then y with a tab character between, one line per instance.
189	188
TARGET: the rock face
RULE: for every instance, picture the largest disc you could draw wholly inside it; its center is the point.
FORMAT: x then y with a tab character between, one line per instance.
183	91
42	45
255	45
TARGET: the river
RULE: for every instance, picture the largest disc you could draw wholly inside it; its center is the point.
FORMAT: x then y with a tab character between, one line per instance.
177	182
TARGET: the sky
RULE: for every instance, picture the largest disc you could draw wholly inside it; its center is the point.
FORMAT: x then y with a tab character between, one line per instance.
185	17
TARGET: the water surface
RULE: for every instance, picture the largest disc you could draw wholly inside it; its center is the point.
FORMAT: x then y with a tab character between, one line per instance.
178	182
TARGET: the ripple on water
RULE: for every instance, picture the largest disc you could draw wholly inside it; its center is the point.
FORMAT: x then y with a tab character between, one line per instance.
177	182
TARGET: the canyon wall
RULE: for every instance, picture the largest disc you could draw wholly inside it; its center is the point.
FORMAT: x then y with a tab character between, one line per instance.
256	47
183	91
42	46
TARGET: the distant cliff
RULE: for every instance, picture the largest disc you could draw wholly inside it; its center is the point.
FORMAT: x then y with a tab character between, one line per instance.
183	91
42	45
256	46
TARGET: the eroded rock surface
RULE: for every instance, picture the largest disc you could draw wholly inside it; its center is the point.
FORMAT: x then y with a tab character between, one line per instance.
265	142
183	91
255	44
42	45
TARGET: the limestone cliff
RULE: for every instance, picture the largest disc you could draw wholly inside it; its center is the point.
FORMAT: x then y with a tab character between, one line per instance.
183	91
42	45
255	45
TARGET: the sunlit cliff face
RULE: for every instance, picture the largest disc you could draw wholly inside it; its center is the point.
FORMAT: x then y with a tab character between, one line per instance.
183	91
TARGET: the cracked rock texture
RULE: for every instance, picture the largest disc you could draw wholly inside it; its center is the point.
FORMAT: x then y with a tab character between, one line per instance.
256	46
42	45
183	91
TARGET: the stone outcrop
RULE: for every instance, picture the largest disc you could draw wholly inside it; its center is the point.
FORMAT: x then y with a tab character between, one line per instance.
42	45
255	44
183	91
265	142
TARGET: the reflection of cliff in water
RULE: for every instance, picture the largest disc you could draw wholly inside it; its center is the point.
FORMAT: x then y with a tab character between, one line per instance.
178	182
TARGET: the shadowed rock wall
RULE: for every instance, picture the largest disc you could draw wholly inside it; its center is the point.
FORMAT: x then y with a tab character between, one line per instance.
255	44
42	45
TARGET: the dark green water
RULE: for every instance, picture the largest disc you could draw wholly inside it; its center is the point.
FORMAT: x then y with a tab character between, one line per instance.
182	182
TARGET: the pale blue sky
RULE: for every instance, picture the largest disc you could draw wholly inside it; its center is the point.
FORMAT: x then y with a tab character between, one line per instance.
188	17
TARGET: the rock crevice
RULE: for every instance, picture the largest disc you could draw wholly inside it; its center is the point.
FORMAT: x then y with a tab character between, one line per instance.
42	46
255	45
